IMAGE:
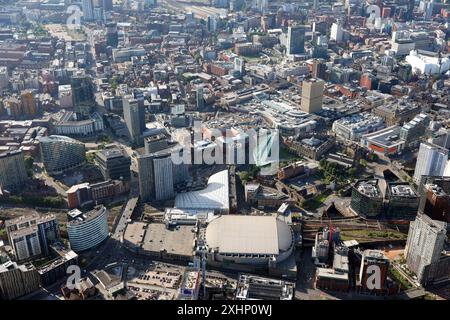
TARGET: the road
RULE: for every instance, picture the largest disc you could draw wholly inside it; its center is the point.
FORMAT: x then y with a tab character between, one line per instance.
49	181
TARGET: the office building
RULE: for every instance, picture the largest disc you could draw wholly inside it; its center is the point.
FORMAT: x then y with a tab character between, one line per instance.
107	5
403	200
156	175
247	49
82	94
319	69
31	235
426	239
397	113
199	98
13	174
87	230
65	96
312	95
385	142
412	131
373	258
355	126
435	197
88	10
112	37
114	163
163	176
337	32
17	280
295	43
133	118
60	153
212	24
251	287
239	65
431	161
410	10
367	200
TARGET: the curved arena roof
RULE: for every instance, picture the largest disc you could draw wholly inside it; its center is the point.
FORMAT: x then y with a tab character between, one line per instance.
214	197
248	235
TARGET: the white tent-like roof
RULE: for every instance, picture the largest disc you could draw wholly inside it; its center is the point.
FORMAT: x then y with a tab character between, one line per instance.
214	197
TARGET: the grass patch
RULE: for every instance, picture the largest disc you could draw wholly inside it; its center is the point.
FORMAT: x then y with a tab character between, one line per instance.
400	279
370	235
317	201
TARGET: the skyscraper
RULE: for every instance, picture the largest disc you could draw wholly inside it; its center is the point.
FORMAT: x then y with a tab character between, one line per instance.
337	32
426	239
319	69
410	11
199	98
295	40
112	37
312	95
88	10
212	23
107	5
431	161
82	95
373	258
155	172
163	173
239	64
132	119
13	173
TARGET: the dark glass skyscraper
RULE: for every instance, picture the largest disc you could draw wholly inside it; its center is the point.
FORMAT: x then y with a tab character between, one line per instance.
112	37
296	40
82	95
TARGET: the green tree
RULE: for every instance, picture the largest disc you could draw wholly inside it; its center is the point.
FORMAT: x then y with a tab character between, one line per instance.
29	162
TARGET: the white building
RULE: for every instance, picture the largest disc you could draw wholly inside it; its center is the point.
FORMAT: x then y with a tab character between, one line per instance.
431	161
426	239
214	197
424	62
87	230
355	126
337	33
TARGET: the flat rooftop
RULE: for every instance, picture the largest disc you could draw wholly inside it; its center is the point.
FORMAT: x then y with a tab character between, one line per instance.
368	188
402	190
135	232
388	137
330	273
179	241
